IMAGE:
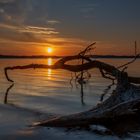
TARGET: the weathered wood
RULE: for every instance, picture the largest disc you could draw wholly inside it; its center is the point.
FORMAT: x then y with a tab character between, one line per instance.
117	106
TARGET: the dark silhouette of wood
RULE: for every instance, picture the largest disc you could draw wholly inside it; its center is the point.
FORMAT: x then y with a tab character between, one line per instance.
111	110
7	92
123	102
111	70
106	91
128	63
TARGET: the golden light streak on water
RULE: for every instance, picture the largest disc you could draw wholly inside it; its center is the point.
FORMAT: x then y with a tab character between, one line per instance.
49	62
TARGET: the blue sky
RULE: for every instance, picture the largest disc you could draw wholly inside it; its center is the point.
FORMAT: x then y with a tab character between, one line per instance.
27	27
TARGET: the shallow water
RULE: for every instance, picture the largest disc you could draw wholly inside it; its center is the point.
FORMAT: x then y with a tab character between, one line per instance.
50	91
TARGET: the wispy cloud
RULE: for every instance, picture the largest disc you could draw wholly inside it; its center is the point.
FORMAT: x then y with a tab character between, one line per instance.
67	42
14	11
38	30
52	22
22	22
26	33
37	36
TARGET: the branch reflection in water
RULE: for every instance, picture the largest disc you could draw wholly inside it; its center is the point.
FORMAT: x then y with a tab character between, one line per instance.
11	86
120	129
7	92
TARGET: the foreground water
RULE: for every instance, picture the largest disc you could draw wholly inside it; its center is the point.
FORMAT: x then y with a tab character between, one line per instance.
48	91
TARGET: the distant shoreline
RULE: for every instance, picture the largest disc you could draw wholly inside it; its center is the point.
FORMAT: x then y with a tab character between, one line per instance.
55	57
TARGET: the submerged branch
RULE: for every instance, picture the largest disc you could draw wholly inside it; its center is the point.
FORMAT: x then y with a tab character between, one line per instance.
130	62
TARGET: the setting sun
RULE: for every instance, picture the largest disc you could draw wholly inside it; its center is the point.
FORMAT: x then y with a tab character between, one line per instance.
49	50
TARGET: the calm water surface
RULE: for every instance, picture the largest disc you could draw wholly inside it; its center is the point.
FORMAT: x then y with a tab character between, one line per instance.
50	90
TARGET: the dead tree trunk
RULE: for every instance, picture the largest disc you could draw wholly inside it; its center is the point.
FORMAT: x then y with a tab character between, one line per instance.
122	103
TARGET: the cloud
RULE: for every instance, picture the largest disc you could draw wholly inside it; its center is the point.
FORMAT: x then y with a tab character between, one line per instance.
42	36
29	12
61	42
18	36
52	22
27	22
28	16
14	11
38	30
26	33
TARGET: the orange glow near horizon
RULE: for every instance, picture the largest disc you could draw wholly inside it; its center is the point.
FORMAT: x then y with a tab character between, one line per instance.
102	48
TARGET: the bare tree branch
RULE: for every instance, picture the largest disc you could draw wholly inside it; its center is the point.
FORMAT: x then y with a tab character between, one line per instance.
126	64
113	71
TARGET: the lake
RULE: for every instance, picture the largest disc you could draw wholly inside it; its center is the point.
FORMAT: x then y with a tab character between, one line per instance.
50	91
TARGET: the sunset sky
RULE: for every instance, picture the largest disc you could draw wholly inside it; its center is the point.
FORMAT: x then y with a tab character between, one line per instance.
29	27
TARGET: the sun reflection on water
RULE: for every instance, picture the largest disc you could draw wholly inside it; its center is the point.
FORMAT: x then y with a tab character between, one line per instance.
49	62
49	73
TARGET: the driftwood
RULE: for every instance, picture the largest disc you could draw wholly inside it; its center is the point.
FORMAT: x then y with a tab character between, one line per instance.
111	110
123	103
109	69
